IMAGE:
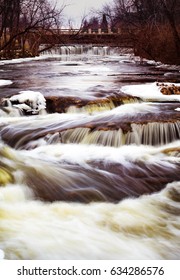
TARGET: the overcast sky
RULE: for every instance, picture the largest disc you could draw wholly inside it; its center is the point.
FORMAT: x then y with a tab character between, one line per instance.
76	9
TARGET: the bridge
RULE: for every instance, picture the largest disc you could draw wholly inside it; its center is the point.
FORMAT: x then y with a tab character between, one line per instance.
98	36
29	45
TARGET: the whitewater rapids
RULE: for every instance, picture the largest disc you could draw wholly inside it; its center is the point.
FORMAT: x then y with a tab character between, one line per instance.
144	228
91	173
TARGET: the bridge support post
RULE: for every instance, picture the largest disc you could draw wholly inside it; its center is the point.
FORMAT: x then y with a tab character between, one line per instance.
89	31
109	30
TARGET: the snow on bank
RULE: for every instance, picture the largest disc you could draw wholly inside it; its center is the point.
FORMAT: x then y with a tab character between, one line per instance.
149	92
5	82
22	60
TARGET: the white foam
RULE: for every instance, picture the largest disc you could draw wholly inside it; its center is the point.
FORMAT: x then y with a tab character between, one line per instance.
82	154
131	109
141	228
1	254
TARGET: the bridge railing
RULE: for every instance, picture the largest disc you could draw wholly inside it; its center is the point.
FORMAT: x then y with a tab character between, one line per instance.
86	31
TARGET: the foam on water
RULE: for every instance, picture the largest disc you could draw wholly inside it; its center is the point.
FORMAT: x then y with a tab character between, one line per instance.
104	174
149	225
1	254
80	154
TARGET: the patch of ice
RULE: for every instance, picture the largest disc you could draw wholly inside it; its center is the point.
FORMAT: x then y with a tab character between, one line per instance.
22	60
5	82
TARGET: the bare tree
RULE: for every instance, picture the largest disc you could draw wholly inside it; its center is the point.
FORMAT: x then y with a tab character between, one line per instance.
152	25
170	11
25	21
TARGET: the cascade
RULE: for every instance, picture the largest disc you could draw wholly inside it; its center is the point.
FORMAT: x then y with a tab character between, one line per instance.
77	130
154	133
83	49
148	134
92	107
113	138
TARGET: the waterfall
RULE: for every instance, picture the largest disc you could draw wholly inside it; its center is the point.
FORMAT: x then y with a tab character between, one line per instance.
148	134
154	133
42	132
83	49
91	107
114	138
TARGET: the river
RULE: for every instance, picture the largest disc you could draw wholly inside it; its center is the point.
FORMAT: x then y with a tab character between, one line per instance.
90	156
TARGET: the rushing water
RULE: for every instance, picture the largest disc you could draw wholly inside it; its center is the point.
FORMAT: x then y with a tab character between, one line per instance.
89	157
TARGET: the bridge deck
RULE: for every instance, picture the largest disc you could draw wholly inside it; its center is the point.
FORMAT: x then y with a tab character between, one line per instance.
97	37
